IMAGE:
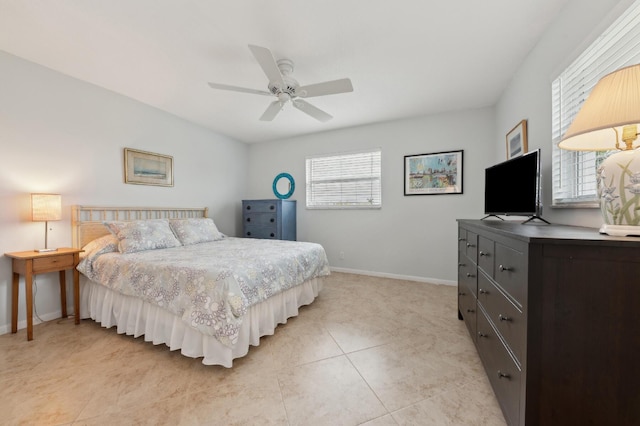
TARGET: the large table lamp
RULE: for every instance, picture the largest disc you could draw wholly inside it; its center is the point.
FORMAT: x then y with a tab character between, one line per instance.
609	120
46	207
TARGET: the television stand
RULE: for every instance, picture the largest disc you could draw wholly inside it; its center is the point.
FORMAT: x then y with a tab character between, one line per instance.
492	215
534	217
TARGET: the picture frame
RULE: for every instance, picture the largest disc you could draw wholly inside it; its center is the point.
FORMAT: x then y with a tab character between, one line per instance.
147	168
434	173
517	140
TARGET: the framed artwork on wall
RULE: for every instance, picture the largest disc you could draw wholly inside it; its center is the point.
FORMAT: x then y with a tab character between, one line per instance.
147	168
517	140
431	174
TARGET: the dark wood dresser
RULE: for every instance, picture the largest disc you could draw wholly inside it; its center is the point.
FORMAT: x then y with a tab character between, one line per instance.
270	219
554	312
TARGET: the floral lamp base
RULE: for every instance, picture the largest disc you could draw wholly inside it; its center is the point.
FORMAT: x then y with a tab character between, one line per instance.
619	190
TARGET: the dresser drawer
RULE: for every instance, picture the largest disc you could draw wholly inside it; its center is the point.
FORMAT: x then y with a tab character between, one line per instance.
506	317
471	246
510	271
468	309
467	274
486	255
54	263
260	232
501	369
261	219
260	206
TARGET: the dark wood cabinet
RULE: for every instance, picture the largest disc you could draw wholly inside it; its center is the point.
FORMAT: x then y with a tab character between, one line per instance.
554	312
270	219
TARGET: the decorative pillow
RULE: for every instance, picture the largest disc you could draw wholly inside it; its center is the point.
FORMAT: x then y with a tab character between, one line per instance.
195	230
142	235
105	244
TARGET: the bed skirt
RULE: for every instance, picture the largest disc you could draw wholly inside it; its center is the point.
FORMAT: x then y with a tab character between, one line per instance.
136	318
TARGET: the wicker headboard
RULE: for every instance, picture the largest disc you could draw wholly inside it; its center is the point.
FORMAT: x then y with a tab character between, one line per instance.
86	222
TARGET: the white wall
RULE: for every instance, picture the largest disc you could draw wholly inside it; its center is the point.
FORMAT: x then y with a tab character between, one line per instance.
61	135
411	236
528	96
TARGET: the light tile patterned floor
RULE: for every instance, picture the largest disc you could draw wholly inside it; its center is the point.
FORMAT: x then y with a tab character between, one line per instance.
369	350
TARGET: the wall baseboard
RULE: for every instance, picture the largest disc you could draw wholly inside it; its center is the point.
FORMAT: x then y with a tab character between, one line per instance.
395	276
23	324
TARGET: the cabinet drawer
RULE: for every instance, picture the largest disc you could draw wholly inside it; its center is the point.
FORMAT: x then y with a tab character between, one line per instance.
471	246
501	369
261	219
510	271
53	263
467	306
260	232
506	317
260	206
486	255
467	274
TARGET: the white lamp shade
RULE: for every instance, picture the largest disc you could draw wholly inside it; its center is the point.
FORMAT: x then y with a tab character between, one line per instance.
612	104
46	207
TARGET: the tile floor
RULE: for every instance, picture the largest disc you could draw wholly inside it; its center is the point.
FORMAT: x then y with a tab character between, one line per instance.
371	351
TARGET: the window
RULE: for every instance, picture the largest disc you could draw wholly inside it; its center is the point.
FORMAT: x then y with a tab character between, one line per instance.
345	181
574	173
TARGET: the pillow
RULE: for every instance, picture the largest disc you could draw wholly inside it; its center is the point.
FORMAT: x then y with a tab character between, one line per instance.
195	230
105	244
142	235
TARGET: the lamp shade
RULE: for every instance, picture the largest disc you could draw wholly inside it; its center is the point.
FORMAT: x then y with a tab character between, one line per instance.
612	104
45	207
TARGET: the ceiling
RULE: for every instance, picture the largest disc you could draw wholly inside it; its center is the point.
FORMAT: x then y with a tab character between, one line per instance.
405	58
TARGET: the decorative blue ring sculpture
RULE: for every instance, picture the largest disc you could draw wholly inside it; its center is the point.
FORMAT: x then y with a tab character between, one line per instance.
292	186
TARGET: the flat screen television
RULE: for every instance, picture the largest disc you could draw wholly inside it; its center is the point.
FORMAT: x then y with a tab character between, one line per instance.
513	187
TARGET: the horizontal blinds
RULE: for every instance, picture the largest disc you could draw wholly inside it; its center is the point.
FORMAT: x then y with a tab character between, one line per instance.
346	180
574	173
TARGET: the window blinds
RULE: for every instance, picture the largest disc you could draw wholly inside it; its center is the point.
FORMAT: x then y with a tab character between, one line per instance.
574	173
345	181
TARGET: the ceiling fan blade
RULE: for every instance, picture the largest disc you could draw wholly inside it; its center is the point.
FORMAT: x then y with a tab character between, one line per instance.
309	109
268	63
239	89
272	110
327	88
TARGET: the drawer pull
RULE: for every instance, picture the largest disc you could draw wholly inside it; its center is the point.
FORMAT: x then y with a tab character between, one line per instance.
272	207
461	264
248	234
504	318
462	293
462	239
248	219
502	375
470	245
248	207
471	310
484	254
272	235
483	291
504	268
481	334
272	220
469	275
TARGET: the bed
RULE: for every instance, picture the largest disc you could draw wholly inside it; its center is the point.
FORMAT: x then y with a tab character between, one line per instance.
169	275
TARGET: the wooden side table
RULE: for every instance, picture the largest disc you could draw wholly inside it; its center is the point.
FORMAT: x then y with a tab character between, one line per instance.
30	263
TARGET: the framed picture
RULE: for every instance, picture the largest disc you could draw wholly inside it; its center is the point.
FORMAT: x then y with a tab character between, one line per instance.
430	174
147	168
517	140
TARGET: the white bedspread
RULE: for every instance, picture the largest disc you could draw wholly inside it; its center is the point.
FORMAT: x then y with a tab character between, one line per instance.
210	285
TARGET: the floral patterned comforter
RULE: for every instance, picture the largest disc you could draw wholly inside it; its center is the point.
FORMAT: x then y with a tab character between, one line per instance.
209	285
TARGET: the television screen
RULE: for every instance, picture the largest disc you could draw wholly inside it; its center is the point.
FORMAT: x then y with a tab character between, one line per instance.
513	187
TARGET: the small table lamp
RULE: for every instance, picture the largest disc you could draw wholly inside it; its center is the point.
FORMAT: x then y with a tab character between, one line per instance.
46	207
609	116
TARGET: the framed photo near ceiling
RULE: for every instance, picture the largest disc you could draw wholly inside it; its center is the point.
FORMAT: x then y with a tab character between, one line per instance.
517	140
147	168
432	174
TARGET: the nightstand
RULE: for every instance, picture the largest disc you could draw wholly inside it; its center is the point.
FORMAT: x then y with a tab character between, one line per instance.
30	263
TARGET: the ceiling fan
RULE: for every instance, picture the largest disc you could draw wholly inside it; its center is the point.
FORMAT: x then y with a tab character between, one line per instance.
286	88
